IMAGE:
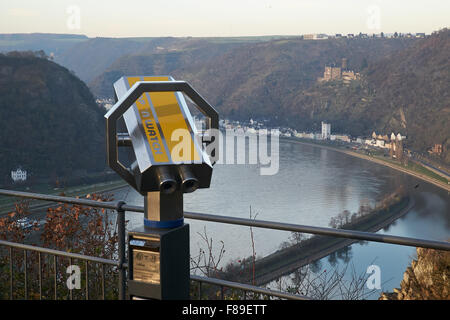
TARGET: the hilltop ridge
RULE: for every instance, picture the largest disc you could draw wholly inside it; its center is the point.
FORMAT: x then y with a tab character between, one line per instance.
49	123
407	91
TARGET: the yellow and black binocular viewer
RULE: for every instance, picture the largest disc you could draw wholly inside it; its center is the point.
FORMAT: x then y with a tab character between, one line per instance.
169	153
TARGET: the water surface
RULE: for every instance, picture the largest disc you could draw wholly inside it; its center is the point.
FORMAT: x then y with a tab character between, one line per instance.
312	186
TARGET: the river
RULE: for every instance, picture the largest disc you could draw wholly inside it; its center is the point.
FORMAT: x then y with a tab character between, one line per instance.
312	186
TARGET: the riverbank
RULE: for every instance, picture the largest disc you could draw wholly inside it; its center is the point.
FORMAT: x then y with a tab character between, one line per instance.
423	175
286	260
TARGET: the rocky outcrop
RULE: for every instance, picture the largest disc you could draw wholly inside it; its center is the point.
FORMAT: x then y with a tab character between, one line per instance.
428	278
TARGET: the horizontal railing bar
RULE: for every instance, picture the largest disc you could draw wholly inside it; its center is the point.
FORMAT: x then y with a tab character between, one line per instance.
129	207
341	233
58	253
247	287
53	198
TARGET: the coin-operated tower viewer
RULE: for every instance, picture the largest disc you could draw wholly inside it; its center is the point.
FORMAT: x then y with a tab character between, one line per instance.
169	159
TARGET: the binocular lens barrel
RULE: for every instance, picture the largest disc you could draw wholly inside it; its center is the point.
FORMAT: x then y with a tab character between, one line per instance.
167	183
189	183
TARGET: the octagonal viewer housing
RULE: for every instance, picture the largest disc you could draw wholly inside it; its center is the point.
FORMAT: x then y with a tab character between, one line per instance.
162	134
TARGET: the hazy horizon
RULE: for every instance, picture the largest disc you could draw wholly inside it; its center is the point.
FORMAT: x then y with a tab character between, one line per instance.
201	18
237	36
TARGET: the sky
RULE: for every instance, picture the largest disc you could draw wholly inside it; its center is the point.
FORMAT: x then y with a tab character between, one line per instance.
206	18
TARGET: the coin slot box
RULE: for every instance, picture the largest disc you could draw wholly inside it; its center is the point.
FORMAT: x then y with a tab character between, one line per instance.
159	262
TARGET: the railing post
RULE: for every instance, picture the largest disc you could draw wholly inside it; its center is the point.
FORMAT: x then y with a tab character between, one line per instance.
121	244
11	274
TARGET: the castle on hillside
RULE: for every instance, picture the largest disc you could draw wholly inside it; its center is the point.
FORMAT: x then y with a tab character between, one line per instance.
339	73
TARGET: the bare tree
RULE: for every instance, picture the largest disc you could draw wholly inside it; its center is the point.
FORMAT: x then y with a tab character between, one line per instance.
253	247
206	262
326	284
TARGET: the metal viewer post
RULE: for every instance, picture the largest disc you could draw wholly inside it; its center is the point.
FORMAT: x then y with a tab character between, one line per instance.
152	109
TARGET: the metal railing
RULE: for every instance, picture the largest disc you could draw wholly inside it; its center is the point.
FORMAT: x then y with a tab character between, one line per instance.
121	264
55	253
